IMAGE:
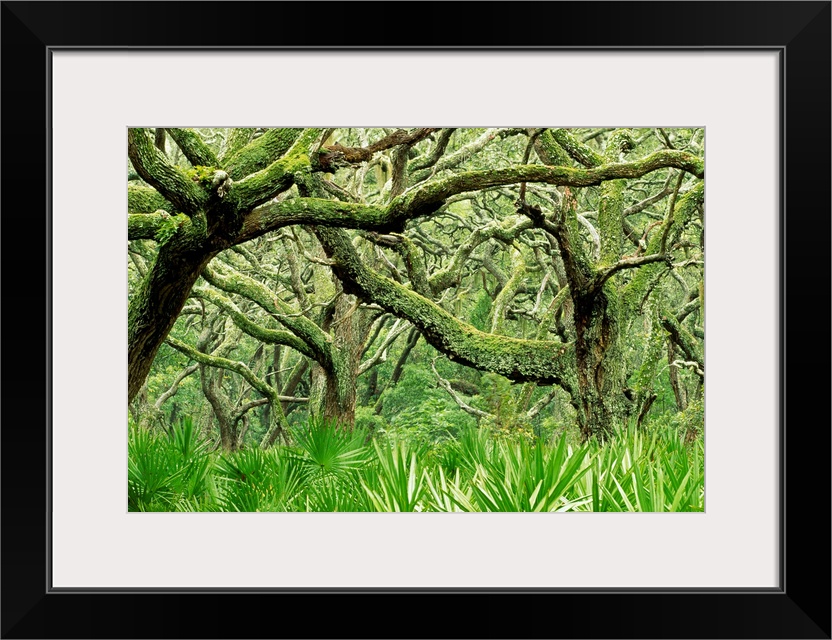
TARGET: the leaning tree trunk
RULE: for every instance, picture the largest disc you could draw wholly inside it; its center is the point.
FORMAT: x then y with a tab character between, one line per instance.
154	308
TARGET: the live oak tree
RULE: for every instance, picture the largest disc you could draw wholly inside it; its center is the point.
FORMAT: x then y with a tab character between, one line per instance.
559	259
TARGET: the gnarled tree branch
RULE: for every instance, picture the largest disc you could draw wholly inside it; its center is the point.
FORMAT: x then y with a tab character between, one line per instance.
517	359
194	148
154	168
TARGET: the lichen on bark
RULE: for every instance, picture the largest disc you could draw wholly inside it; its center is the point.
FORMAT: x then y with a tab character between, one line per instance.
514	358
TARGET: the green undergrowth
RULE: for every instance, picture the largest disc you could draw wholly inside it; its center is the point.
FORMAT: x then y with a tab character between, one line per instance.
328	469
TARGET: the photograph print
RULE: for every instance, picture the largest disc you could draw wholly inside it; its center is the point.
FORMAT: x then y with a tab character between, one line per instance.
416	319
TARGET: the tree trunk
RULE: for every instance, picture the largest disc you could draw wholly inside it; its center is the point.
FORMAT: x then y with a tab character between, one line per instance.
601	375
211	388
412	339
332	395
673	373
276	424
298	371
154	308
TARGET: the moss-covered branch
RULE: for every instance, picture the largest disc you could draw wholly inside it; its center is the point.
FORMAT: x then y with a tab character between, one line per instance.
154	168
519	360
611	205
463	153
142	199
428	198
627	263
312	211
549	151
279	420
259	153
425	199
507	293
238	137
651	354
157	302
580	152
506	230
174	387
640	206
263	334
398	328
637	290
446	385
438	150
194	148
259	187
693	304
144	226
564	230
317	341
682	337
414	264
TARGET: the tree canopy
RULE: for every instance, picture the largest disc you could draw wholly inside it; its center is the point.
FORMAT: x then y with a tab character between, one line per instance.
522	274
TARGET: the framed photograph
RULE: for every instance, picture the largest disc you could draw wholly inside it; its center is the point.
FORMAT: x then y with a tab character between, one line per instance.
731	100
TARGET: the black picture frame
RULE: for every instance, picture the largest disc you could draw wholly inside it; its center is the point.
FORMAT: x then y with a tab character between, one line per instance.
799	608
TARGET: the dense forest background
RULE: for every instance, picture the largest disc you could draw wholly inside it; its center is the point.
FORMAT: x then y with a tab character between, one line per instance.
416	319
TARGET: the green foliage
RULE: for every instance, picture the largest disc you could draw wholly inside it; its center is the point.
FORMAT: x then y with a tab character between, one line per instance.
254	480
169	227
637	471
688	424
201	174
416	385
332	469
481	313
168	471
330	460
368	420
432	421
399	482
520	477
323	449
692	419
418	411
498	397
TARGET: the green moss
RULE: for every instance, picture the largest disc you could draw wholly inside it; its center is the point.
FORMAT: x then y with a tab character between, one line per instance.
193	146
652	355
610	221
255	330
428	197
143	226
682	337
619	142
317	340
549	151
646	276
260	153
141	199
167	179
508	292
517	359
687	207
578	150
263	185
